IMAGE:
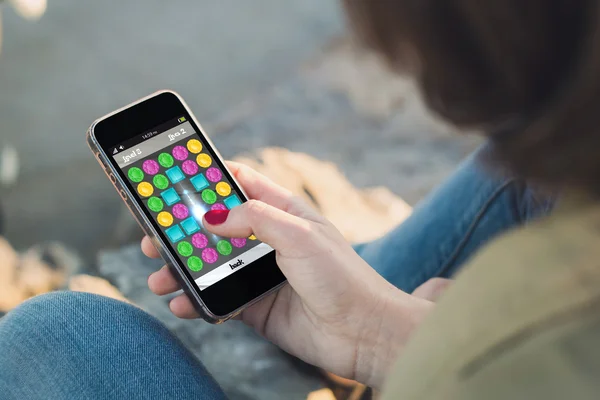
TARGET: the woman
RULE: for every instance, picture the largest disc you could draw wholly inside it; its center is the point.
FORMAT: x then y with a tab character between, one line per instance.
522	320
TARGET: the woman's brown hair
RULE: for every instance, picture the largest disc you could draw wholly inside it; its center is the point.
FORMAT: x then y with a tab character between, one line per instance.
526	72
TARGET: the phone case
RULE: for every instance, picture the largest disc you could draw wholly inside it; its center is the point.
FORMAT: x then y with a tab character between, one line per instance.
146	225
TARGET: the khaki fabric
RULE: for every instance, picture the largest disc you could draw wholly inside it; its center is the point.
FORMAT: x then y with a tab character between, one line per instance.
522	321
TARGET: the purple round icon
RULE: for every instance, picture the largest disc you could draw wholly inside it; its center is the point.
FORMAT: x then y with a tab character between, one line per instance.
218	206
151	167
210	255
199	240
180	153
190	167
213	174
180	211
238	242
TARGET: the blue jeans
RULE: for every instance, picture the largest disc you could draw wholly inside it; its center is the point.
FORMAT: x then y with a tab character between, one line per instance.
452	223
81	346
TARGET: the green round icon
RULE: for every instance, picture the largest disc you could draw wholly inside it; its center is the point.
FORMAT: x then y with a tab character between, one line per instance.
155	204
224	247
185	249
136	175
166	160
161	182
209	196
195	264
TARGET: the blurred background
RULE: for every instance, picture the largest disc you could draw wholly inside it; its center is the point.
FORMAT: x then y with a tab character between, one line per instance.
257	73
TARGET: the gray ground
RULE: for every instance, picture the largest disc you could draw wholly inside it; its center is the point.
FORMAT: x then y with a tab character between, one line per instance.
257	73
84	59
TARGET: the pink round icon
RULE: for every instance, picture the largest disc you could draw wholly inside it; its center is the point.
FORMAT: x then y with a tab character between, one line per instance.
180	211
190	167
151	167
180	153
210	255
199	240
213	174
238	242
218	206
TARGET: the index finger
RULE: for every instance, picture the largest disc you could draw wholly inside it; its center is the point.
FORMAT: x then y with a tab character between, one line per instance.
259	187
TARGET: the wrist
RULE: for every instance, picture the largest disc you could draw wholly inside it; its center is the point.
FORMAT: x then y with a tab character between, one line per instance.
395	317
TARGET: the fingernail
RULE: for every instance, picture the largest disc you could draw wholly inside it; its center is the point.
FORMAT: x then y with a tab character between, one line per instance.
216	217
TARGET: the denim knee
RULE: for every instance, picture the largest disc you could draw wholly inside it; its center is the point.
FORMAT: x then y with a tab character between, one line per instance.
46	323
68	345
63	310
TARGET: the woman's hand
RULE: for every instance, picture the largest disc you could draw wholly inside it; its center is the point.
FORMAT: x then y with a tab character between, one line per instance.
337	312
432	289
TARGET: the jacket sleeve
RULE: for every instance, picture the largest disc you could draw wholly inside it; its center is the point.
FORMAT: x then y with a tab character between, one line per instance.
559	360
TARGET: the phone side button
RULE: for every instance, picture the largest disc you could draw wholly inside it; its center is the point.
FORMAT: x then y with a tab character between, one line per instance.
112	178
101	161
123	194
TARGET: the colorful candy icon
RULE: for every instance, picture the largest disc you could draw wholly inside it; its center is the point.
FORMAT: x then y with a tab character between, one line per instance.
155	204
166	160
180	211
195	264
194	146
199	182
136	175
145	189
204	160
224	247
161	182
190	226
180	153
175	234
238	242
199	240
185	249
232	201
223	189
165	219
214	174
252	237
209	196
151	167
189	167
175	175
210	255
218	206
170	196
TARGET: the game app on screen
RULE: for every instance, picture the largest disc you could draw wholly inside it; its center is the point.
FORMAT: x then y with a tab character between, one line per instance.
177	177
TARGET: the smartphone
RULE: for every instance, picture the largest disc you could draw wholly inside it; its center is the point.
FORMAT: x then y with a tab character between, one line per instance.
169	174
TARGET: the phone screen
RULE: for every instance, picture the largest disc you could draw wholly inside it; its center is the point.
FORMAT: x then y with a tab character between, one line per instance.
177	177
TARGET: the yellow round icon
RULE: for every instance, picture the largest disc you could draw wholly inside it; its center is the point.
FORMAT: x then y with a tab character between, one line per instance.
204	160
194	146
145	189
223	189
165	219
252	237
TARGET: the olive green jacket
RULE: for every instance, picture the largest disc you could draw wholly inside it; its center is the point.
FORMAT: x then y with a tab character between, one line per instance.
522	321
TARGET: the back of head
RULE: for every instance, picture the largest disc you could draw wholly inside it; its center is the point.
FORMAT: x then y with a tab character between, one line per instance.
525	72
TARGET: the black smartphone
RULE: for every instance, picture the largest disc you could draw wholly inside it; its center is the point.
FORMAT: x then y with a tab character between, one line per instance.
169	174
